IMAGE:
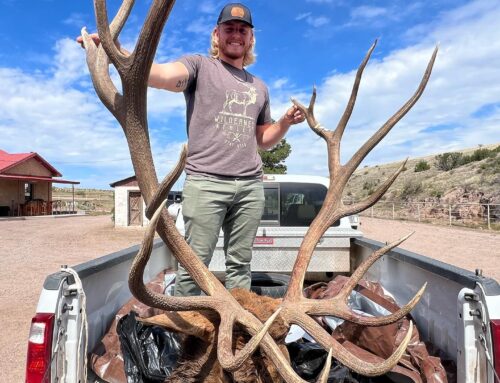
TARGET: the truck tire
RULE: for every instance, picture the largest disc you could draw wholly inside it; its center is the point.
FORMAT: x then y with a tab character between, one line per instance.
273	285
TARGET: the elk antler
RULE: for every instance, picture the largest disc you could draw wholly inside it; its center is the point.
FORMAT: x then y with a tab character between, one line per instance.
129	109
296	308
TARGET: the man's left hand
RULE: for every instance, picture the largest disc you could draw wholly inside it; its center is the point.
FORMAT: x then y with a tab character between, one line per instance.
294	116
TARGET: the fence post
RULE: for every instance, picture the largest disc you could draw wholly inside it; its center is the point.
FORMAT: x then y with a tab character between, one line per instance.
489	219
418	211
450	212
393	215
371	211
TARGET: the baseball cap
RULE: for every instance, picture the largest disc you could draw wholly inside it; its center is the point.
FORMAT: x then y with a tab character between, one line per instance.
235	11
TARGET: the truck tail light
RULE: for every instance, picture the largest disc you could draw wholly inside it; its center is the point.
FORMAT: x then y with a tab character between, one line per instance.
495	335
39	348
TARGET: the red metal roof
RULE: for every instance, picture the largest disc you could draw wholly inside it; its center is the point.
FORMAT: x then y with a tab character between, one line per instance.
8	161
36	178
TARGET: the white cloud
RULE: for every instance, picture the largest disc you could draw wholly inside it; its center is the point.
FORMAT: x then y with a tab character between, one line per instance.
368	12
201	25
75	19
279	83
465	78
302	16
57	114
315	22
209	7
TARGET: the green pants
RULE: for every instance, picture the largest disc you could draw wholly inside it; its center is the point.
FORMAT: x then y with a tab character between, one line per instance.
209	204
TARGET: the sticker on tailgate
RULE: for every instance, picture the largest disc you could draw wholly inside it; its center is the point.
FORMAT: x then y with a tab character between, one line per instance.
263	241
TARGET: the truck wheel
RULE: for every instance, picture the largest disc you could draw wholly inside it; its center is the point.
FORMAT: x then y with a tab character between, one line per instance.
273	285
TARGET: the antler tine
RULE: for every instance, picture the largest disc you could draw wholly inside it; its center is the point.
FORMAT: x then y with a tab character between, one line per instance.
227	359
120	18
107	41
343	355
339	131
337	306
323	376
366	264
89	46
97	62
375	196
309	113
382	132
164	188
149	297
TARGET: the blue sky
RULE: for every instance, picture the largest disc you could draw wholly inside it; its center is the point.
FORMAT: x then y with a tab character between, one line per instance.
49	106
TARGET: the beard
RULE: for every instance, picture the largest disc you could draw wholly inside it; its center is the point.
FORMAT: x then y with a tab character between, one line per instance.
232	53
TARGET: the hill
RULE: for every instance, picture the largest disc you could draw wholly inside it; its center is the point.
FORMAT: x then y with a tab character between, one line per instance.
466	176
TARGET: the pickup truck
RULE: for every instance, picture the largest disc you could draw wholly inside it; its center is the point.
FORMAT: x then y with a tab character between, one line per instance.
459	312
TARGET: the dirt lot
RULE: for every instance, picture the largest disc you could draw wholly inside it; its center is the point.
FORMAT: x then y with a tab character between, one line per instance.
32	249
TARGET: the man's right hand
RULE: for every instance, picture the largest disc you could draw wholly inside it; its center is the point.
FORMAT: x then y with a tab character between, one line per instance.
93	36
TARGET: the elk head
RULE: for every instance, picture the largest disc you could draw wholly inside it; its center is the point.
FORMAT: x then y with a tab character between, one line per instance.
129	108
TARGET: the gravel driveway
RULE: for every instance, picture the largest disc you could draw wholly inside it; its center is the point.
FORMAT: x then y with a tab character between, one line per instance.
32	249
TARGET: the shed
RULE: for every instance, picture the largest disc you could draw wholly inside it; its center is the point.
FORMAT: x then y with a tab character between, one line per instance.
130	209
26	185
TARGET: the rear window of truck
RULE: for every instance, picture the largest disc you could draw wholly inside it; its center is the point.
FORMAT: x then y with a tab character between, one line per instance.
292	204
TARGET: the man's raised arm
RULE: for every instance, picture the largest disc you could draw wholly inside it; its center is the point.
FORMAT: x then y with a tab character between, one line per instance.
170	76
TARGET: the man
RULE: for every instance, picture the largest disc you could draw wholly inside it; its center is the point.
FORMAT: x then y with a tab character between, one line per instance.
228	118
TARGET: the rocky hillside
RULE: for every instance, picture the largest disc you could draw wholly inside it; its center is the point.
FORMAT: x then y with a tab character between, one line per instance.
470	175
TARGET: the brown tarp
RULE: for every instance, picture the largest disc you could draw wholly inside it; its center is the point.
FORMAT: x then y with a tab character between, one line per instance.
368	343
377	343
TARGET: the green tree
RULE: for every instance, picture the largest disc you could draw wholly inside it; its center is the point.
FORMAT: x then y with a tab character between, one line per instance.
273	160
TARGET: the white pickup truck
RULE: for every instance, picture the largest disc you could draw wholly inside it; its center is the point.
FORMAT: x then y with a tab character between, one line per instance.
459	312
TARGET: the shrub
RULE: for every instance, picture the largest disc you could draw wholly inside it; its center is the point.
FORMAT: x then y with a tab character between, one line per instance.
411	188
448	161
422	166
478	155
369	185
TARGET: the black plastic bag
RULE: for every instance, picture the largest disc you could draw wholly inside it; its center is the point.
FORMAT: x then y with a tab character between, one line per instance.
309	358
149	352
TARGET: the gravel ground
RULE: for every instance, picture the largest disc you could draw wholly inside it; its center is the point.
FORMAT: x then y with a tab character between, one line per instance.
32	249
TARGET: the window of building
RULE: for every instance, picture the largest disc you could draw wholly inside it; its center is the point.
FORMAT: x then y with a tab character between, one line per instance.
28	191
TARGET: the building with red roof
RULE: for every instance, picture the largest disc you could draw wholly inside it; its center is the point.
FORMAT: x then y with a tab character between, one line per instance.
26	184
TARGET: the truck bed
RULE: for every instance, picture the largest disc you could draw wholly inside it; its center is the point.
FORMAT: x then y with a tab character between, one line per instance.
442	316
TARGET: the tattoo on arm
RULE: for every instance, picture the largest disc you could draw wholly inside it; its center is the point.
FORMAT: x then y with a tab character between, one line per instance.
181	83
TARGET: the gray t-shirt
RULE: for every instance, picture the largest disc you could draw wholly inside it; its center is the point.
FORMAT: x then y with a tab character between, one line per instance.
224	106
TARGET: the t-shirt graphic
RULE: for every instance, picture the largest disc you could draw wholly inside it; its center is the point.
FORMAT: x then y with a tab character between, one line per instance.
233	122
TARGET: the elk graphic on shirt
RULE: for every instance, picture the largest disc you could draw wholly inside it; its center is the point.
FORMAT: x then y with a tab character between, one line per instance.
233	122
242	99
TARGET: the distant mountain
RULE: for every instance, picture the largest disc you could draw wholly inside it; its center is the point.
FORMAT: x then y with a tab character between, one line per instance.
469	175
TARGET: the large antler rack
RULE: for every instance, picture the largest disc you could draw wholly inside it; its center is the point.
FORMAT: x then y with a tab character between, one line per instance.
130	110
296	308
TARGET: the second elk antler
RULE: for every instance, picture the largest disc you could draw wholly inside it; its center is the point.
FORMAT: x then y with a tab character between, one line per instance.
129	108
295	307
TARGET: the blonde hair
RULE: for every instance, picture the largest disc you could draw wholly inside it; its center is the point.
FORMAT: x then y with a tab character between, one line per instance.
250	55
